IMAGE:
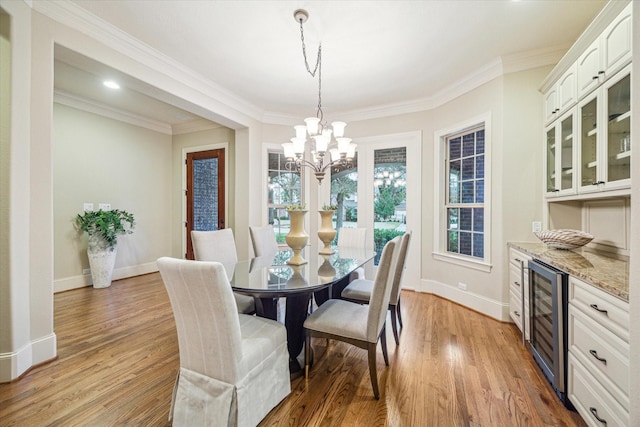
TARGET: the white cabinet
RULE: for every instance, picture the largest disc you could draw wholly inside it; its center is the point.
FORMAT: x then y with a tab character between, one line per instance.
604	130
589	71
598	362
560	163
588	144
606	55
562	96
519	290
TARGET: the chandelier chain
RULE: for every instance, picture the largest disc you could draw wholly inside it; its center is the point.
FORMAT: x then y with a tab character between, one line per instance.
326	154
317	69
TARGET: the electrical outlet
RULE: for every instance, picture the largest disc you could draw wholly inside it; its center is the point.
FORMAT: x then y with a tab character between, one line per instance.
462	286
536	226
104	206
87	207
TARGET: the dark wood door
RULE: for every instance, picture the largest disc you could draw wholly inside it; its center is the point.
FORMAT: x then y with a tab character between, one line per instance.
205	193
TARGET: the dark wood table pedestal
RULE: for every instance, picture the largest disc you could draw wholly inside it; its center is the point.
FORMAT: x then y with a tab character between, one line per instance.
296	311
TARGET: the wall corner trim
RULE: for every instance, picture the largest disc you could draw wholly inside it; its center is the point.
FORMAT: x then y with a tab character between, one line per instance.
495	309
16	363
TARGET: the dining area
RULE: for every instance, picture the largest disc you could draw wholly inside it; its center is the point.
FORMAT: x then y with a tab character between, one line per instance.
246	327
120	355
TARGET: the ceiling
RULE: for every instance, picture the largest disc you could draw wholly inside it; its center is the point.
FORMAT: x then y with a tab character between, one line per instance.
375	54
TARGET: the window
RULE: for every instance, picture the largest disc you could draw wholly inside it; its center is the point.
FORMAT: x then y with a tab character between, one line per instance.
284	188
465	196
463	228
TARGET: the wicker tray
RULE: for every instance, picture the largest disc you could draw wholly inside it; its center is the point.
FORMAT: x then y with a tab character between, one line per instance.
564	239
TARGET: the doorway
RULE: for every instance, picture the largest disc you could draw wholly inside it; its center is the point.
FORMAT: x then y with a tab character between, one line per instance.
205	193
387	199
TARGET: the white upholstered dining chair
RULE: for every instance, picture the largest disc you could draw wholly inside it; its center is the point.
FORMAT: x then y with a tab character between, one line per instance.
357	324
263	240
234	368
220	246
360	290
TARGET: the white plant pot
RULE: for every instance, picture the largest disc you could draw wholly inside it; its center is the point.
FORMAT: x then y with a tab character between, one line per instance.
101	261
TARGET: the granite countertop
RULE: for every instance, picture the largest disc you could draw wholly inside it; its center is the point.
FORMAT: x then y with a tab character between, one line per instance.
609	272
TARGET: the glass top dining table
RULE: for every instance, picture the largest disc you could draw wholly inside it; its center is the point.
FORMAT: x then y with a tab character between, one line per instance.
269	278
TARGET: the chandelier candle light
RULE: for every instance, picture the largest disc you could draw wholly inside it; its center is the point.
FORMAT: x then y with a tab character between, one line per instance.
327	140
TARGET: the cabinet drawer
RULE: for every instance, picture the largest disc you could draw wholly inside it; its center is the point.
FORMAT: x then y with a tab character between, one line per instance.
592	400
515	279
605	309
603	354
515	256
515	309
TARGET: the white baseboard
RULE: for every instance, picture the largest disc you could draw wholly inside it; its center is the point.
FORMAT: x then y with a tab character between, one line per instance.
489	307
75	282
14	364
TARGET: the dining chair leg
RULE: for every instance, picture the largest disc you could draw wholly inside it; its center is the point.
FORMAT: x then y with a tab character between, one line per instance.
399	313
373	372
383	342
307	354
394	325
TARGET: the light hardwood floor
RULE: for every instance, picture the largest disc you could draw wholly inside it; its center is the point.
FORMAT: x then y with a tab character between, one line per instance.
118	357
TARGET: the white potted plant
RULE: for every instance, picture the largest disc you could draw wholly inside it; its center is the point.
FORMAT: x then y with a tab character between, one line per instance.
103	228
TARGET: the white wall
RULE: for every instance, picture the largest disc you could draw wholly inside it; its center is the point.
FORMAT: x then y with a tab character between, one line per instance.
101	160
5	153
17	337
28	337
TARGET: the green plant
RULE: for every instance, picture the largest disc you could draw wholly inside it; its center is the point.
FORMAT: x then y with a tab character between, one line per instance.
381	237
296	207
329	207
351	214
106	224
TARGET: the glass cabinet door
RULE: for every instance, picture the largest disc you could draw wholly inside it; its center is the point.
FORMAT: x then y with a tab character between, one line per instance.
589	143
566	153
551	160
619	130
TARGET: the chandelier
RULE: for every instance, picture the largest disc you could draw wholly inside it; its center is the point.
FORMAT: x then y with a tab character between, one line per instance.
324	142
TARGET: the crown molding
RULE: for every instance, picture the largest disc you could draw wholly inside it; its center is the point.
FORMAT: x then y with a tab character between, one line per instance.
508	64
74	16
534	58
83	104
196	125
610	11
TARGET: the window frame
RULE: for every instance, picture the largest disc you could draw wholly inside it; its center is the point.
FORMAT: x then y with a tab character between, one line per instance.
441	188
266	205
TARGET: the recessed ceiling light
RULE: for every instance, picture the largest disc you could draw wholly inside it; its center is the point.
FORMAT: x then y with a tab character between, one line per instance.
111	84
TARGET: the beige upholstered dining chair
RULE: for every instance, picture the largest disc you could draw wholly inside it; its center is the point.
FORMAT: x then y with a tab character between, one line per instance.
220	246
360	290
357	324
263	240
234	368
353	238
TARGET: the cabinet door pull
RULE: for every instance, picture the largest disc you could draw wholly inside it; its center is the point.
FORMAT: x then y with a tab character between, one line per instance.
600	72
594	78
596	308
518	260
594	412
516	283
516	313
598	358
